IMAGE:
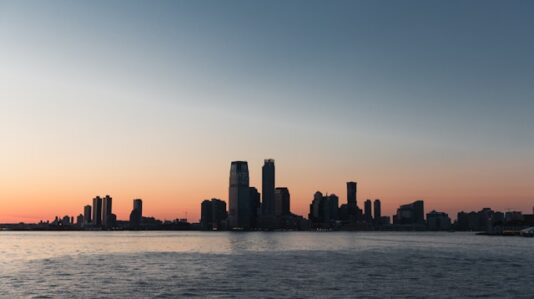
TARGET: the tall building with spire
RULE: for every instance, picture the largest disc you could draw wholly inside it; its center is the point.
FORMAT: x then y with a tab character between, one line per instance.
238	195
268	188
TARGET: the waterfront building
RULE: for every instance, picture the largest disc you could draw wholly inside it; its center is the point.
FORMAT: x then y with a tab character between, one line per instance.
255	206
239	198
352	201
136	215
438	221
268	188
107	219
97	211
213	214
87	215
413	214
377	209
368	211
282	201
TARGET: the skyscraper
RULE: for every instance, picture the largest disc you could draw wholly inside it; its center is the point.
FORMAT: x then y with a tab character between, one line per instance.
97	211
239	199
255	205
282	201
136	215
368	213
352	203
268	187
378	211
212	215
107	219
87	215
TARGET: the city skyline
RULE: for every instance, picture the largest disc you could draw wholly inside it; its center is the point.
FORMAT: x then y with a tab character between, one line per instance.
412	100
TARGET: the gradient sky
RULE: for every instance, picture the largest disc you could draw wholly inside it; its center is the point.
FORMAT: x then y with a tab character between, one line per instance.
428	100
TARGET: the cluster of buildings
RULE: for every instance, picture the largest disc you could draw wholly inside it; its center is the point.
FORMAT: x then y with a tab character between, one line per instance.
100	216
271	209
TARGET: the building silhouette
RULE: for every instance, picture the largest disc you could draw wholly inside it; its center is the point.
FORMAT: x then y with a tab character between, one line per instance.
323	210
268	187
368	211
282	201
438	221
97	211
239	198
352	202
213	214
255	206
136	216
87	215
377	208
107	214
413	214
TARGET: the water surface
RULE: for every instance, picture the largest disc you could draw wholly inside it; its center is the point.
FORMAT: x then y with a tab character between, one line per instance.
265	265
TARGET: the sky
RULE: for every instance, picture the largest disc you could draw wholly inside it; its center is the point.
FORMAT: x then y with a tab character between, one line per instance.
429	100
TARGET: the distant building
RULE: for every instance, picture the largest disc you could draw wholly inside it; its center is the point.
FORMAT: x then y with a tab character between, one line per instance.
107	219
268	188
352	201
377	208
255	206
368	211
413	214
87	215
213	214
97	211
282	201
438	221
324	209
80	220
136	215
239	198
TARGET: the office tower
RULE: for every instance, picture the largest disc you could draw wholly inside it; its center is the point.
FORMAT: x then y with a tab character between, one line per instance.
107	219
239	199
218	213
367	211
378	211
212	214
206	216
333	205
281	201
438	221
87	214
136	215
97	211
352	203
80	220
268	187
412	213
255	206
324	209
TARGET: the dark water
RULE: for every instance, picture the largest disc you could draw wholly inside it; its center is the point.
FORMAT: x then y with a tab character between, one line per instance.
263	265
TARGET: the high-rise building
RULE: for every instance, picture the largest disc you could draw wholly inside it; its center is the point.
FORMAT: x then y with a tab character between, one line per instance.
352	203
255	206
136	216
282	201
87	215
107	219
413	213
97	211
239	198
324	209
368	211
213	213
268	188
377	207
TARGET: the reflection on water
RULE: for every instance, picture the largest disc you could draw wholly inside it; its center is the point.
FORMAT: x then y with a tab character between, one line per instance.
303	264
